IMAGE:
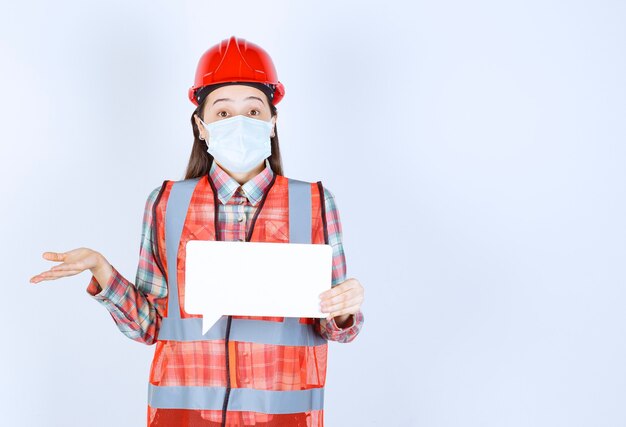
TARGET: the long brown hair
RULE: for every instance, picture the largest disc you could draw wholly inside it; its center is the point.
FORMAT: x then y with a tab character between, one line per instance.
200	160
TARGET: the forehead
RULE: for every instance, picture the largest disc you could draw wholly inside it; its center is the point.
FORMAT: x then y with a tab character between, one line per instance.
238	94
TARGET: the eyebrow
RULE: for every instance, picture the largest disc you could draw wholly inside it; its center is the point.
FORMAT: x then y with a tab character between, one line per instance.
228	99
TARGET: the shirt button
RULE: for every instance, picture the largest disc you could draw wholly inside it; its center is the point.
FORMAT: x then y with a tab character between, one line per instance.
245	353
245	380
242	201
240	219
240	240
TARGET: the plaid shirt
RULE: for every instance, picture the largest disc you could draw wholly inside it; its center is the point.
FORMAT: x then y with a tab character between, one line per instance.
137	309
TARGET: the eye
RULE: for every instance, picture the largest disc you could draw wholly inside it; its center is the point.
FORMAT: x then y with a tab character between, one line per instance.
219	113
257	112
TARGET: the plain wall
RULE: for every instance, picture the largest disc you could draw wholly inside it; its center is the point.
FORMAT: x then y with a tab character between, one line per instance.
476	152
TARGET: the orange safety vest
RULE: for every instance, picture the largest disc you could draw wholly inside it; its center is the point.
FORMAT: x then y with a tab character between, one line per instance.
199	380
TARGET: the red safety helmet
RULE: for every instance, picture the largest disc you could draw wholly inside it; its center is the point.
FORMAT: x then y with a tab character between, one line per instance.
236	60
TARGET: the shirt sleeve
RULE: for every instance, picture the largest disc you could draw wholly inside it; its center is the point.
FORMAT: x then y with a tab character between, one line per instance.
137	309
329	329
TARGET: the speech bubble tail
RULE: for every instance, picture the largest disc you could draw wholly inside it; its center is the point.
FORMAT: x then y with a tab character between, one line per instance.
207	322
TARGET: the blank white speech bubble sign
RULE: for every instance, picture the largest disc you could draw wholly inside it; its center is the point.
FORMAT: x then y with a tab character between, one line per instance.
255	279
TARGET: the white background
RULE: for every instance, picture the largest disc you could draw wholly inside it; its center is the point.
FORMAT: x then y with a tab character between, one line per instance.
476	152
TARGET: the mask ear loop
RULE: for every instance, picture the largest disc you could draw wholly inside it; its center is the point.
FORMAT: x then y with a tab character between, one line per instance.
197	113
199	135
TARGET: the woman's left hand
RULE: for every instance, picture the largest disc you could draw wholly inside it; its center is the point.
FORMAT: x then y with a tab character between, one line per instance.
342	300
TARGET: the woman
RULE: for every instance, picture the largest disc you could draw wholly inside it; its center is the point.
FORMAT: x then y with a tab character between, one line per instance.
247	370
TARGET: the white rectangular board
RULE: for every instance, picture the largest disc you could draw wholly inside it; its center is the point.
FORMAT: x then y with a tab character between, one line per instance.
255	279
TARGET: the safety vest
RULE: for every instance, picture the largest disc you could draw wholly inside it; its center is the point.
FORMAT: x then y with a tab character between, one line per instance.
212	380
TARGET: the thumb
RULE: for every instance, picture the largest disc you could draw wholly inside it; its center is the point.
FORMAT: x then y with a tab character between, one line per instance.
54	256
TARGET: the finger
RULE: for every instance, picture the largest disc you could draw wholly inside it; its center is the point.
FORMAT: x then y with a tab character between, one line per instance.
334	292
338	289
38	276
50	277
338	306
341	306
343	296
53	275
67	266
54	256
327	305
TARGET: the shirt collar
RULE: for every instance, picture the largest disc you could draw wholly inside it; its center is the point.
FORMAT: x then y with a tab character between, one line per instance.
253	189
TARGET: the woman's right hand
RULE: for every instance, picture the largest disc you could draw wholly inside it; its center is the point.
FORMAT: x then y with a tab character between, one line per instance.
74	262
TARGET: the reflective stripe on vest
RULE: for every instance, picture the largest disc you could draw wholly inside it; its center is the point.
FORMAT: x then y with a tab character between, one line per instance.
240	399
173	327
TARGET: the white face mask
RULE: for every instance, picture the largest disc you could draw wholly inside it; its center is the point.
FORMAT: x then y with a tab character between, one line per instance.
239	143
